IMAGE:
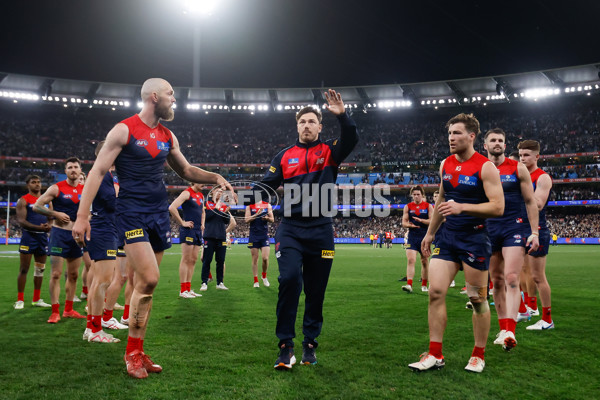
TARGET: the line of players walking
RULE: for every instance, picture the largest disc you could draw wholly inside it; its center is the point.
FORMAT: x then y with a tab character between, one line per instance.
474	188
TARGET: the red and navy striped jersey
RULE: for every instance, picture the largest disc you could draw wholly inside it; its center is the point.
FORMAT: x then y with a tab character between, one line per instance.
535	175
513	199
32	216
193	207
140	168
462	183
421	211
67	200
259	227
103	206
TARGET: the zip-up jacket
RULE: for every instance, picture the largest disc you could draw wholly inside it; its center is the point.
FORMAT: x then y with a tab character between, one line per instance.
310	166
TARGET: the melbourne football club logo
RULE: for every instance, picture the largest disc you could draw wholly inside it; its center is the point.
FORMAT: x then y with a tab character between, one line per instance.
152	135
141	143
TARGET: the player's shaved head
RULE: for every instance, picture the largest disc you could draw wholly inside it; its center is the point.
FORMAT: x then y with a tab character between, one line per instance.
153	85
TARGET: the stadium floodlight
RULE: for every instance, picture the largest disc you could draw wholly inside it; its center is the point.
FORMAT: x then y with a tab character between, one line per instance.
279	107
199	7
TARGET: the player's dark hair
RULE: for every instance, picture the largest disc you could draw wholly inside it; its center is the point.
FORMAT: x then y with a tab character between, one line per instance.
497	131
307	110
471	123
415	188
529	145
514	155
73	160
30	177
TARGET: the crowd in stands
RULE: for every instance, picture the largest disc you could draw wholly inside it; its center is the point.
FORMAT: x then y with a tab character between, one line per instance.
398	142
47	131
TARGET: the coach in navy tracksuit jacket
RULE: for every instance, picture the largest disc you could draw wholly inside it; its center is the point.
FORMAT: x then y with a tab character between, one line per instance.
304	239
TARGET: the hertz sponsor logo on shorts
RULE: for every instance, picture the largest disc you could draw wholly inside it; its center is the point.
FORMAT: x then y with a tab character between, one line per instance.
407	245
56	250
24	248
189	239
111	253
224	244
436	251
136	233
272	169
327	253
249	243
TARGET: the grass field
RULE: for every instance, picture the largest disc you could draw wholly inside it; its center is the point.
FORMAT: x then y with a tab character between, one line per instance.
223	346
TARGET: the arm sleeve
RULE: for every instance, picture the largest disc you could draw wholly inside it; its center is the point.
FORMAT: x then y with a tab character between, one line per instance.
343	146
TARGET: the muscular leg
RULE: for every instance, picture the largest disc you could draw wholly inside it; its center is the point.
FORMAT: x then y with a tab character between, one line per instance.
56	263
72	274
424	268
25	261
254	253
499	291
481	321
87	263
40	263
189	255
513	263
116	282
411	259
441	273
102	274
265	251
145	265
538	273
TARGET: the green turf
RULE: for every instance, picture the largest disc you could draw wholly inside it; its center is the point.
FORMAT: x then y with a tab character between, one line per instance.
223	346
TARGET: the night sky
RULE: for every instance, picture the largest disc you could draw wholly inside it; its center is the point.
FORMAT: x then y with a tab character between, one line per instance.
296	43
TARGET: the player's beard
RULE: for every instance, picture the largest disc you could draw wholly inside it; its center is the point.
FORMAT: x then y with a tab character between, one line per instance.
496	152
165	112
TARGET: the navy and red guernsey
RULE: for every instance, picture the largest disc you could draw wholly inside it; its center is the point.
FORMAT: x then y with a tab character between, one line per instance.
462	183
32	216
140	168
310	166
535	175
193	207
103	206
67	200
216	221
421	211
259	227
513	199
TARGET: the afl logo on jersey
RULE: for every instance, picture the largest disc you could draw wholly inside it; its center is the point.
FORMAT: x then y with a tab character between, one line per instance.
67	196
447	177
141	143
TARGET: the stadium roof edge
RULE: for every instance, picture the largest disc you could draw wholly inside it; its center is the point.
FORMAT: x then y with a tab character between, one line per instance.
273	97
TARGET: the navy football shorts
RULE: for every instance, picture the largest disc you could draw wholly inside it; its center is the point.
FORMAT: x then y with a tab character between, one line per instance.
542	251
506	234
34	243
103	243
258	243
473	248
63	245
191	236
154	228
414	242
